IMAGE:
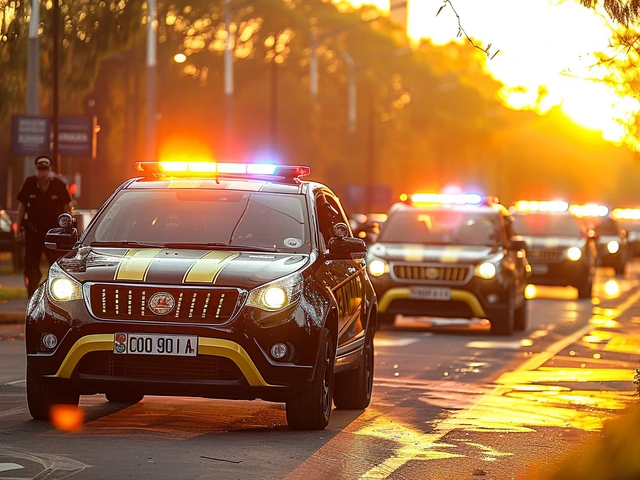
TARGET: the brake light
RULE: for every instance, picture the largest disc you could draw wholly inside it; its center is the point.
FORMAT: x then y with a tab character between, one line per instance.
14	226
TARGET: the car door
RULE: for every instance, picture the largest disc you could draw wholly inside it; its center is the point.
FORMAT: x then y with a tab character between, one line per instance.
343	277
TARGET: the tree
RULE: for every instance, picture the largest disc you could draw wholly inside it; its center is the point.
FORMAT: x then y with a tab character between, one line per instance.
624	12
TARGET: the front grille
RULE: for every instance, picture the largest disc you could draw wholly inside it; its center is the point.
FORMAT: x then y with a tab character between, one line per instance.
155	367
192	305
548	255
427	273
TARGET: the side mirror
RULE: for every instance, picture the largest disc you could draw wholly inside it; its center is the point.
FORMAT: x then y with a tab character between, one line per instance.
516	244
347	248
64	237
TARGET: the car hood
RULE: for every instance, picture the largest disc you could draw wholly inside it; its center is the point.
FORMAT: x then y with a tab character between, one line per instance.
548	243
179	266
467	254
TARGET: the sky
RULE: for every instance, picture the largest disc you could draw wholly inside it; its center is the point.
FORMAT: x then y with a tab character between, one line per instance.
542	43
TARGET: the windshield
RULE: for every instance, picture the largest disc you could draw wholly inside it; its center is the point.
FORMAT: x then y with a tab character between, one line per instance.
442	227
548	225
201	217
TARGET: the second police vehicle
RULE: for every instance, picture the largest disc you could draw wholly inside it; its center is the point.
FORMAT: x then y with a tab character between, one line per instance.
450	255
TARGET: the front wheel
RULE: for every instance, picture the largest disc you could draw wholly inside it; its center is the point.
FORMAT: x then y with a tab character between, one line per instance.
585	288
503	320
353	388
310	409
521	317
41	397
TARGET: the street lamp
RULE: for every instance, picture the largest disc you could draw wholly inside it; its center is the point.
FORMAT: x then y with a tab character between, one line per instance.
152	33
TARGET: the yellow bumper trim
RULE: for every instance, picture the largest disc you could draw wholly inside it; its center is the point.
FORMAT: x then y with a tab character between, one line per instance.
206	346
458	295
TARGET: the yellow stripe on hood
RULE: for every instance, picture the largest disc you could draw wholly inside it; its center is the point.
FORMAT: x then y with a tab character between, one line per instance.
451	255
413	253
135	264
207	268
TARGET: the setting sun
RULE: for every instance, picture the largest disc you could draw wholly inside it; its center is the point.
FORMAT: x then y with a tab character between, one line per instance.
543	55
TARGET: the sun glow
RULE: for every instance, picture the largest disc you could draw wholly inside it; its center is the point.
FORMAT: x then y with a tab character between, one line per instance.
544	55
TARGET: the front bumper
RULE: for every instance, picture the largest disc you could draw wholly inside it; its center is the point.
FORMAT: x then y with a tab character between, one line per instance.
477	298
232	360
559	274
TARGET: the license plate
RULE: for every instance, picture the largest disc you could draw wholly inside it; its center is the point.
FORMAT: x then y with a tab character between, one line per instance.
539	269
430	293
156	344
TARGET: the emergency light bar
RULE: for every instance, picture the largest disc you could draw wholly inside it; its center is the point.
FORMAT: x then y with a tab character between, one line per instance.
447	198
541	206
626	213
215	169
589	210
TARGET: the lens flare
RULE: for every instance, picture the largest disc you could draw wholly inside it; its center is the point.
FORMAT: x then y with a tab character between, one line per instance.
67	417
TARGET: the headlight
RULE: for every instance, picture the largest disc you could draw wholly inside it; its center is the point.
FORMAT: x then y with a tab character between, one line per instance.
574	253
486	270
377	267
613	246
276	295
61	287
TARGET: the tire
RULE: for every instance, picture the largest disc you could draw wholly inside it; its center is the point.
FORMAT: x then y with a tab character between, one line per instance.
503	322
129	398
353	388
521	317
585	288
310	409
41	397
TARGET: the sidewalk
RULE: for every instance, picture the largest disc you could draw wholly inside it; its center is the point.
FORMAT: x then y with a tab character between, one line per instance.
13	304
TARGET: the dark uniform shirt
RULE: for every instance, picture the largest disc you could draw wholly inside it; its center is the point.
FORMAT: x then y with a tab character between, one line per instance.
43	207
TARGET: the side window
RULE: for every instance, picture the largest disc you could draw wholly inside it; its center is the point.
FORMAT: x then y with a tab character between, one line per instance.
329	213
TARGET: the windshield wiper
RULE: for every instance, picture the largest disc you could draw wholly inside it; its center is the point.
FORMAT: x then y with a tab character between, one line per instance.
124	243
220	245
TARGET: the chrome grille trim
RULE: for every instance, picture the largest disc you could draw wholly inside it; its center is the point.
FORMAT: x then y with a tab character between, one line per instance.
454	274
195	304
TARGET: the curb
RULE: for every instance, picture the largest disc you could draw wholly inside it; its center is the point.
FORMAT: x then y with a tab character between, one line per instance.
12	316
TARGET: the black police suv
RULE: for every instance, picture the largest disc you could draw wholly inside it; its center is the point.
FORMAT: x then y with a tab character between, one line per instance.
450	256
233	281
612	242
560	249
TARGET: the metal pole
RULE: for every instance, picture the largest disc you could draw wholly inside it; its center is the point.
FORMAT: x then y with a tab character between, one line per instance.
152	32
228	80
33	75
55	30
313	69
352	104
371	152
274	107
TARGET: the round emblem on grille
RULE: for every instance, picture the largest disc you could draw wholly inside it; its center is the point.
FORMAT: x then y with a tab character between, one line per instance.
161	303
432	273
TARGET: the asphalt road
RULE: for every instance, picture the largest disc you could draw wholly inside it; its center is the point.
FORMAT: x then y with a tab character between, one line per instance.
450	402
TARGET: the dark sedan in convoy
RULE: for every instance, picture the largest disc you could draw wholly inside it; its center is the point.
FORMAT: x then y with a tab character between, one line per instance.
612	241
629	220
236	281
451	256
560	248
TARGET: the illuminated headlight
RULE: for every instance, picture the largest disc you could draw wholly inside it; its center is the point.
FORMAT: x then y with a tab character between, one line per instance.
377	267
61	287
613	246
486	270
574	253
276	295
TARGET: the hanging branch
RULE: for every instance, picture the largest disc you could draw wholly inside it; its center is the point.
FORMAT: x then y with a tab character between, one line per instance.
462	32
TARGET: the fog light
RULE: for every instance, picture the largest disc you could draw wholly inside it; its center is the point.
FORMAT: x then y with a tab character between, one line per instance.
49	340
279	350
493	298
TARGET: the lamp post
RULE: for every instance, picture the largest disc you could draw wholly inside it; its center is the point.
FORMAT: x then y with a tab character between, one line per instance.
33	74
228	80
55	33
152	33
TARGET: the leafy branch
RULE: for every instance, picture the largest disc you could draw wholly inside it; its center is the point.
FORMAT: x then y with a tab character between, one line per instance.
461	31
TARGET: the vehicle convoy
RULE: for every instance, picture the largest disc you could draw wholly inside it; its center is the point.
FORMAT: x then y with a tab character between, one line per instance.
629	220
612	241
560	248
449	255
237	281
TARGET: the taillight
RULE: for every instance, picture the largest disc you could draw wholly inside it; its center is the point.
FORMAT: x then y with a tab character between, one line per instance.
14	226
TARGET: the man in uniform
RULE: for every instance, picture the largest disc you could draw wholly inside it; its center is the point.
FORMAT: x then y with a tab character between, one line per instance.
42	197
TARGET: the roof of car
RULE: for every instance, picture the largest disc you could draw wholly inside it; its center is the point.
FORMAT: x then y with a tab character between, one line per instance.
221	184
